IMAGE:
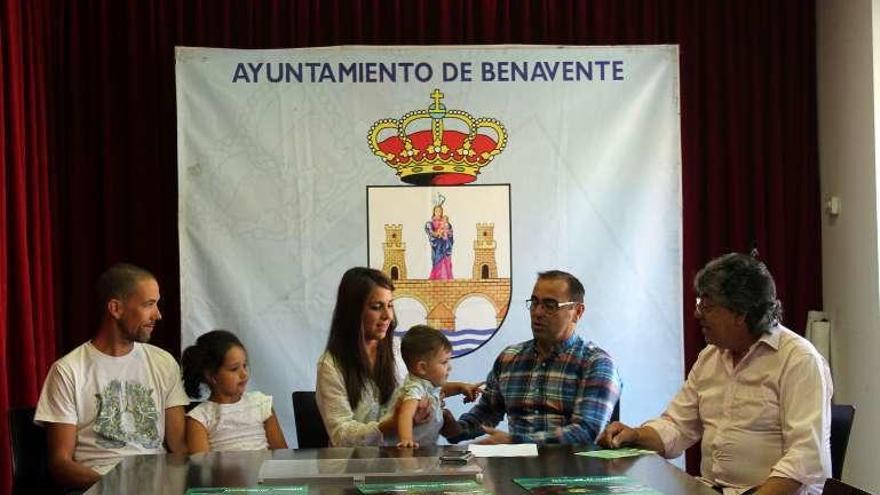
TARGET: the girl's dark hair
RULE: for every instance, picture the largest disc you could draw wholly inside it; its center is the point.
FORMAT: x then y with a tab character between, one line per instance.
346	340
204	357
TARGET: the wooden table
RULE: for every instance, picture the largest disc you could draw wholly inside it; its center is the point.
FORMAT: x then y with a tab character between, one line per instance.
172	474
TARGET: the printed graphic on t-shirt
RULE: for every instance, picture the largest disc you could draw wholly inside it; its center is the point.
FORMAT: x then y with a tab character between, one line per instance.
126	414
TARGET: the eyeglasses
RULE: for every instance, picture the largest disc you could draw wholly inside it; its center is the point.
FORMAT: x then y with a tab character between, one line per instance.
703	306
549	305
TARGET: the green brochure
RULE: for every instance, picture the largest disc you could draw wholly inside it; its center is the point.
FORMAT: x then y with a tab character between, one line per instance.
468	487
594	485
615	453
263	490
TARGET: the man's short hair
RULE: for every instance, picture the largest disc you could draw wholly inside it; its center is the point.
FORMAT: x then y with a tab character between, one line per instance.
420	343
575	287
119	281
742	284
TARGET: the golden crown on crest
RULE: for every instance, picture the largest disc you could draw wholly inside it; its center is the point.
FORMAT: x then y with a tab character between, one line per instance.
450	151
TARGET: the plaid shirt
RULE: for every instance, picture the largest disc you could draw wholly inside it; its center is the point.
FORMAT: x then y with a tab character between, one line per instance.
566	397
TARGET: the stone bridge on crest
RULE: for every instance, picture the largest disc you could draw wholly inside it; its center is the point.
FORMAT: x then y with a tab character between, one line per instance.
442	297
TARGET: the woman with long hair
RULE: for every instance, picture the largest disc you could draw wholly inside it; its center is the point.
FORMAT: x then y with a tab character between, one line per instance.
357	373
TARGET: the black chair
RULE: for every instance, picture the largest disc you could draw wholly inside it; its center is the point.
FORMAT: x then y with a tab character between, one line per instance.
310	431
30	454
837	487
841	424
615	414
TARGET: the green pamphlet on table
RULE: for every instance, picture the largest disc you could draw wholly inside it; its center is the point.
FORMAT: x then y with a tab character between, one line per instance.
615	453
594	485
263	490
465	487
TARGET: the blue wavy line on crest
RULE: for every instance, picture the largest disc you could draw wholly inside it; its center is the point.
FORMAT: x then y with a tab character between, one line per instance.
459	343
463	340
469	331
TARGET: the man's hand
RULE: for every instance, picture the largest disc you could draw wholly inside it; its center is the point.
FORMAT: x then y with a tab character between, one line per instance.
471	391
451	428
778	486
618	435
61	443
495	436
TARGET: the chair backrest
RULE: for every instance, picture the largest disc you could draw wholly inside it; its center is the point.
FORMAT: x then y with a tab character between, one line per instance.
842	416
30	454
310	431
837	487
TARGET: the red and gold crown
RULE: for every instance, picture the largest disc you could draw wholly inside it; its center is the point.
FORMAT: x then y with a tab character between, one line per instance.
452	150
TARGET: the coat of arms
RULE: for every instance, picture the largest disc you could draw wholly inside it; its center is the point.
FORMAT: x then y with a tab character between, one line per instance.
445	245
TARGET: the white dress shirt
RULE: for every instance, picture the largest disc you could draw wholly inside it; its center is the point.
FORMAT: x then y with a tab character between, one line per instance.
769	416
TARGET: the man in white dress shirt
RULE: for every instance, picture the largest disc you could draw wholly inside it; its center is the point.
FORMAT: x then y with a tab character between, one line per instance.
758	398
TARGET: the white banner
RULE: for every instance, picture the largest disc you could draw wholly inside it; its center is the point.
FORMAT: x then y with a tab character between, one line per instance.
297	164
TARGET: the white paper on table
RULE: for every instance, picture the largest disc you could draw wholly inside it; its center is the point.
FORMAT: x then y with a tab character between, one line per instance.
505	450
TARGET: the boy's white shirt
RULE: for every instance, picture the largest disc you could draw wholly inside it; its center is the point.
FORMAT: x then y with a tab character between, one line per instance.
417	388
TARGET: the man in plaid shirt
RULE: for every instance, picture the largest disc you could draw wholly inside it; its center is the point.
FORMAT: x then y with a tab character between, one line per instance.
555	388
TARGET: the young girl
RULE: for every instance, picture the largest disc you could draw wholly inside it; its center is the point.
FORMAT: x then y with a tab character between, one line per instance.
231	419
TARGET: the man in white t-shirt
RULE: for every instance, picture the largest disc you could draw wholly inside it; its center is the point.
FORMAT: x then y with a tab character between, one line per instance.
115	395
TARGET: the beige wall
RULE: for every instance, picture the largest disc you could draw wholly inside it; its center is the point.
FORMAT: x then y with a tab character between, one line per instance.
847	62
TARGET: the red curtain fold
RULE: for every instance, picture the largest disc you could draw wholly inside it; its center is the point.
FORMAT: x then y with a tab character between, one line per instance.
748	120
27	303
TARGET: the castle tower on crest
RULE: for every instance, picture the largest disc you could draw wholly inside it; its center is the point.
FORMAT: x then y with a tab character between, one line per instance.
394	249
484	252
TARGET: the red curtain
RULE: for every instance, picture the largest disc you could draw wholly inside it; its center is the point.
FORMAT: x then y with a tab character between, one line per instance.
748	115
27	325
